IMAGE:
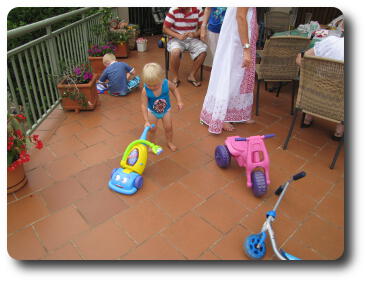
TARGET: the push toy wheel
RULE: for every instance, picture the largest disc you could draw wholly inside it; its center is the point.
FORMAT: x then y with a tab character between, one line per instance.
222	156
252	248
259	186
138	182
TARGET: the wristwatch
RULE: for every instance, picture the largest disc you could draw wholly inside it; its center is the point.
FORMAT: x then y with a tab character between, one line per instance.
246	46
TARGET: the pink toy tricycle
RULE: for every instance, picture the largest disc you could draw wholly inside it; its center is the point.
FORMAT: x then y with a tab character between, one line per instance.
250	153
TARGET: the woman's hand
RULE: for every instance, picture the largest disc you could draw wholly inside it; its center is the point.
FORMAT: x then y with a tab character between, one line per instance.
246	58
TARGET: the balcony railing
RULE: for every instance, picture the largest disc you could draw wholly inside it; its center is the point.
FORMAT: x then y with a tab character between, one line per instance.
33	68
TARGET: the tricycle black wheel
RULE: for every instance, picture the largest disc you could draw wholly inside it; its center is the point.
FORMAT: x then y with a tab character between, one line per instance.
222	156
259	186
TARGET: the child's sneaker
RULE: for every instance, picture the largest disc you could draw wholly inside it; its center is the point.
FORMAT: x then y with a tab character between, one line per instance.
101	88
133	83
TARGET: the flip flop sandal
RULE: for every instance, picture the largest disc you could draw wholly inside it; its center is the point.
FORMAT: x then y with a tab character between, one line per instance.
194	83
176	83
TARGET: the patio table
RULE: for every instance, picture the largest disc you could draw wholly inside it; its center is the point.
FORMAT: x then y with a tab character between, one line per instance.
296	32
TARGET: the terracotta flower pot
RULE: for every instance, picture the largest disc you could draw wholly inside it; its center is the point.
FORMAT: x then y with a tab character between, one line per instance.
89	90
96	64
16	179
122	50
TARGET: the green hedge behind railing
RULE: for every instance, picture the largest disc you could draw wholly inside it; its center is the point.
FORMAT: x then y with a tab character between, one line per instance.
33	68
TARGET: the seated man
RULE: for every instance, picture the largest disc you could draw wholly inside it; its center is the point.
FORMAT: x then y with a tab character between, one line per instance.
183	25
331	47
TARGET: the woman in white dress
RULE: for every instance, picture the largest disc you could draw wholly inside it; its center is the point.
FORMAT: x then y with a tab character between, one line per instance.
230	92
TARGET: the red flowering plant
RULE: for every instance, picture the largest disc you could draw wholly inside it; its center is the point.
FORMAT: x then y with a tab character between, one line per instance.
18	141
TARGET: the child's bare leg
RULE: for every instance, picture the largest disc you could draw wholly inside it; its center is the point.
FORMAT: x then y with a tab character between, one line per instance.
168	130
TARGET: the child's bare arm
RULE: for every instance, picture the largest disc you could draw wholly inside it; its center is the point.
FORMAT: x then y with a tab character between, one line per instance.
176	93
144	107
130	74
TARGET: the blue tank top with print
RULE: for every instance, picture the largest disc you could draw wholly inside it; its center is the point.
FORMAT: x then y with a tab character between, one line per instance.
159	104
216	19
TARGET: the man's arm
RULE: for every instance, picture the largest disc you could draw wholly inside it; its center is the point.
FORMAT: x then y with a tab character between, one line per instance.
309	52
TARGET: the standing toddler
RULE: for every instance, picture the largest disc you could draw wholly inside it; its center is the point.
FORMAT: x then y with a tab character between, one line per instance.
155	101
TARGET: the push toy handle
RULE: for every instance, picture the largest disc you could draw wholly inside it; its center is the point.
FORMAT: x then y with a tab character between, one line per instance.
299	175
145	132
240	139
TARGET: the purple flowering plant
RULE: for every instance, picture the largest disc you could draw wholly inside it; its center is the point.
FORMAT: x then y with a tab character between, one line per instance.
100	50
72	75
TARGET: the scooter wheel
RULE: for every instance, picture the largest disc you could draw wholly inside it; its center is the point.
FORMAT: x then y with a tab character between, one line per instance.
222	156
251	247
138	182
259	186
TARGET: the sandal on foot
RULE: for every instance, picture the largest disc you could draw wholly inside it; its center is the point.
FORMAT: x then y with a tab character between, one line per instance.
334	137
195	83
304	125
176	83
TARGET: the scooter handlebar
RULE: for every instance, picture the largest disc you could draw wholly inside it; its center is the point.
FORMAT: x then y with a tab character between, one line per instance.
299	175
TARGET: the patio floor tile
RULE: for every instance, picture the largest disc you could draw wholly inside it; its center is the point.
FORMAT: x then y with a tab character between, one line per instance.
221	211
106	241
65	167
66	146
322	236
93	136
191	235
67	252
204	182
62	194
60	227
143	220
37	179
167	198
155	248
165	172
24	245
99	206
230	246
331	208
95	177
25	211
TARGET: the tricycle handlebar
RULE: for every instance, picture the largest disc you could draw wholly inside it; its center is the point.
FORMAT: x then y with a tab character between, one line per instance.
263	137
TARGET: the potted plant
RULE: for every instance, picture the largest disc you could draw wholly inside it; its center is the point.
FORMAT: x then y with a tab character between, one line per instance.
77	88
18	142
120	38
133	31
96	53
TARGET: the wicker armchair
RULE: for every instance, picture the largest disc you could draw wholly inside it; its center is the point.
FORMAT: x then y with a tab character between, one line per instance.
278	62
321	93
276	21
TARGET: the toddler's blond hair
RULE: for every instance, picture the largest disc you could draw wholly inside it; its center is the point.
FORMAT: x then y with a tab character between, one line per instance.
152	74
108	58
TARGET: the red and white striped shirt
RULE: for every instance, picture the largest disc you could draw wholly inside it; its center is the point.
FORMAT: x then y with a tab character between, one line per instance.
179	21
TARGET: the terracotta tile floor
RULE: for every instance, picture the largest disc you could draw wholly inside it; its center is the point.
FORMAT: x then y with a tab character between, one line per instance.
188	208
